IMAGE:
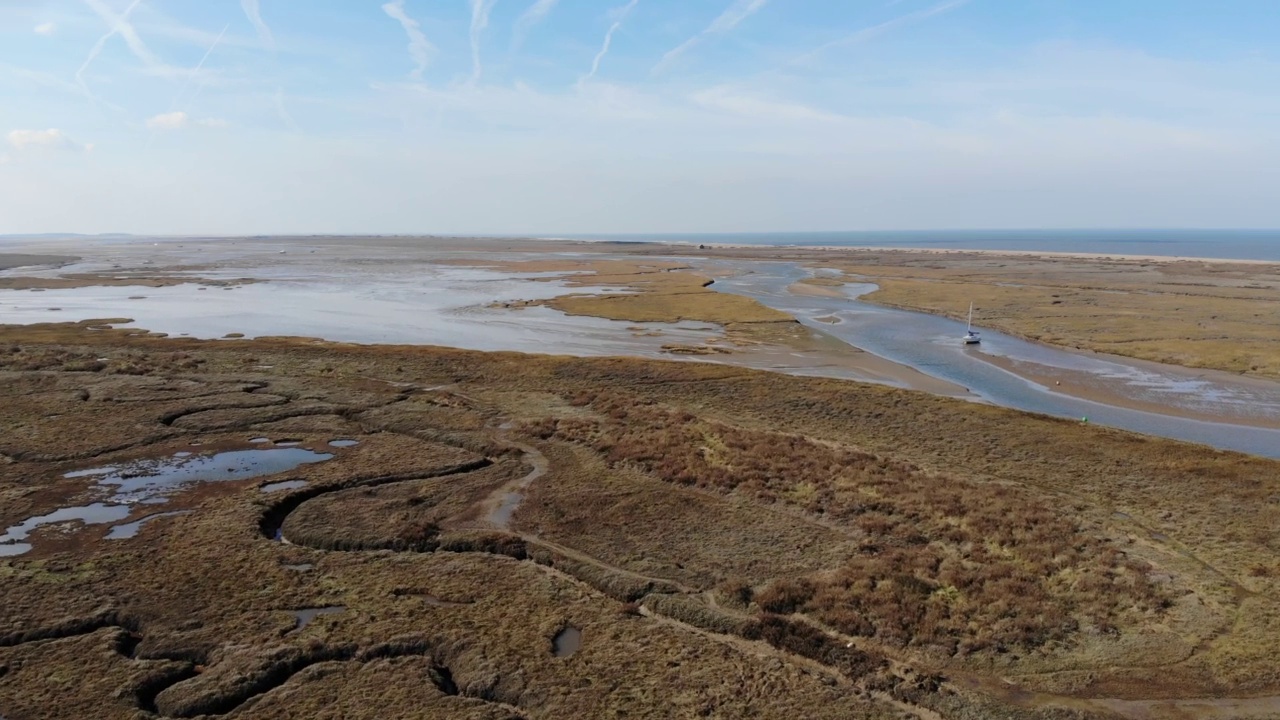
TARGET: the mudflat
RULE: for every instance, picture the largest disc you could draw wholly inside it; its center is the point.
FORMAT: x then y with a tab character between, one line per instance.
8	261
500	535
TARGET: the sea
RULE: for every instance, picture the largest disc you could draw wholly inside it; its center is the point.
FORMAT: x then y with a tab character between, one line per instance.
1223	244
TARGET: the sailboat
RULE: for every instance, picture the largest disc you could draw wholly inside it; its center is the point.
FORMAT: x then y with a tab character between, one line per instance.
971	337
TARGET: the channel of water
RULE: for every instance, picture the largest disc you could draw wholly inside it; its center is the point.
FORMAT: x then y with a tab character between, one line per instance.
931	344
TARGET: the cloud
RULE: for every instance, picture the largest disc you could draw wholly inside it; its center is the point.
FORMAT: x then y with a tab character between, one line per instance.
254	13
621	14
480	10
420	49
531	17
168	121
728	20
179	120
734	102
45	29
51	139
874	31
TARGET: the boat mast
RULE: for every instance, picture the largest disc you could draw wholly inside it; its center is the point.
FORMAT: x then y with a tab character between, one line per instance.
970	328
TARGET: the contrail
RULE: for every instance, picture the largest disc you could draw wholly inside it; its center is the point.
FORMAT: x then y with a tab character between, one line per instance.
729	19
420	49
282	112
479	21
194	72
874	31
254	13
122	27
115	24
531	17
199	65
608	40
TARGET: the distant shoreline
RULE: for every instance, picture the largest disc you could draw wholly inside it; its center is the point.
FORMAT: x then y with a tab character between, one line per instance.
687	242
997	253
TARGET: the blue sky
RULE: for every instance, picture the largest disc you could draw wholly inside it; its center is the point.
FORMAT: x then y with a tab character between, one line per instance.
577	116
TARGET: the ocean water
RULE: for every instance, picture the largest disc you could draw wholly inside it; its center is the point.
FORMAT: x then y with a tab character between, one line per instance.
1225	244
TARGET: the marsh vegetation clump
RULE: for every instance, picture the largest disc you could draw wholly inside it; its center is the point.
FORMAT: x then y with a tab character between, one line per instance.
947	563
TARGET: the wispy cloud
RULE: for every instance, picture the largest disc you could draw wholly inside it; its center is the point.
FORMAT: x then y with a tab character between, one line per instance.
420	49
480	10
179	120
620	14
254	12
732	101
38	78
874	31
51	139
45	29
728	20
529	18
283	112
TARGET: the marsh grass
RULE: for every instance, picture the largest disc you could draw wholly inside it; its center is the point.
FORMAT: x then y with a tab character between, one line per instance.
943	533
943	562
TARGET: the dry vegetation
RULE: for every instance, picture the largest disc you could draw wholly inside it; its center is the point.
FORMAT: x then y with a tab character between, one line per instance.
942	563
730	543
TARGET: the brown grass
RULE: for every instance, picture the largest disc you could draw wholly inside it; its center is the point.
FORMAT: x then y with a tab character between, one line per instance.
942	562
792	543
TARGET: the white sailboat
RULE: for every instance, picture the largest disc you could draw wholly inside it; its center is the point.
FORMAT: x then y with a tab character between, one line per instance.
971	337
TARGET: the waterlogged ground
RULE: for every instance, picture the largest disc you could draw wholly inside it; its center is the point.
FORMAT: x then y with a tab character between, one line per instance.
379	290
386	302
543	537
145	485
387	290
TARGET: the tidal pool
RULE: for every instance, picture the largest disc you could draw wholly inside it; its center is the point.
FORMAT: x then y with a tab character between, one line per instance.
129	530
96	514
304	616
146	480
566	642
150	482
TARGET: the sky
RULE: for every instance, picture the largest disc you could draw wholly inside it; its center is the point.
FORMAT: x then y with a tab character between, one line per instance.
194	117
